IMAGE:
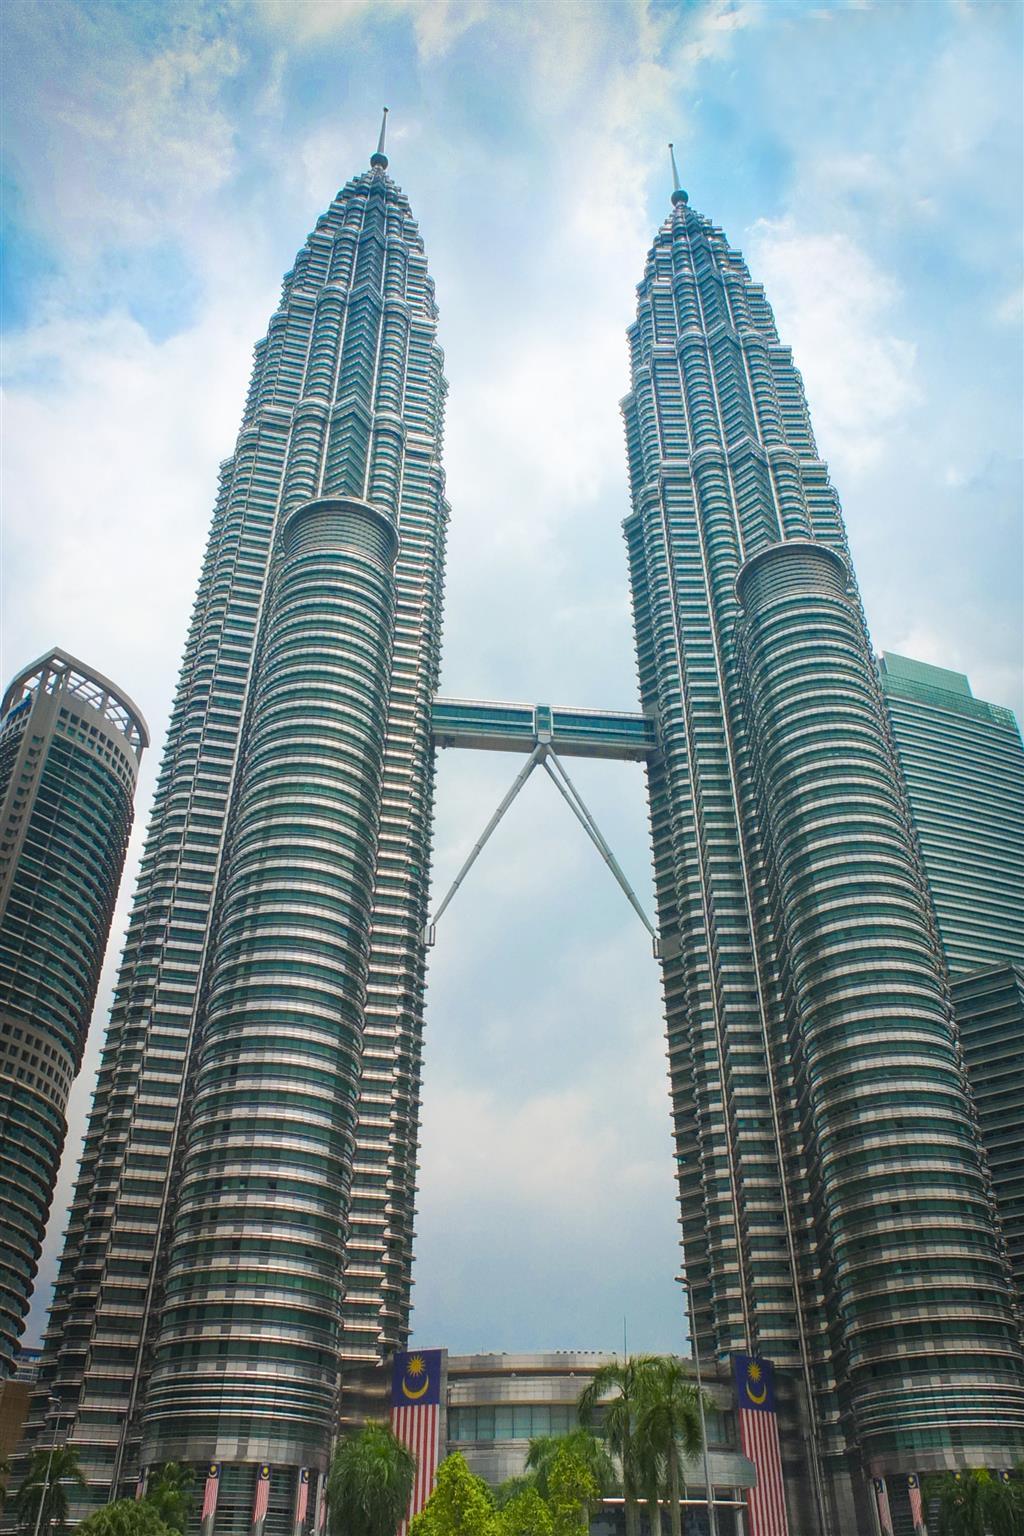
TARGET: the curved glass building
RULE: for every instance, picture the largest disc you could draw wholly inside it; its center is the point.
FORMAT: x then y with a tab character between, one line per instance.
836	1208
70	747
243	1218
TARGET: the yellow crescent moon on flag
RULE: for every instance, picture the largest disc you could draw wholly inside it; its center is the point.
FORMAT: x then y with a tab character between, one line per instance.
420	1392
754	1396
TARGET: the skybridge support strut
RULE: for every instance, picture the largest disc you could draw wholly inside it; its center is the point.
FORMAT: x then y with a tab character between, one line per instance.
544	754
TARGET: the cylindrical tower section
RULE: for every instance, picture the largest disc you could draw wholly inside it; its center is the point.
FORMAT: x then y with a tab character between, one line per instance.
247	1357
922	1296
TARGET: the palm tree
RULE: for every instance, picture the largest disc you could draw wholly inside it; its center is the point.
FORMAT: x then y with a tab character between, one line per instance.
48	1470
369	1484
169	1491
667	1433
587	1447
977	1504
626	1381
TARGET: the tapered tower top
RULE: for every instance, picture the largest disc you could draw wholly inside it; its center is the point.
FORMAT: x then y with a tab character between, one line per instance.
678	195
379	158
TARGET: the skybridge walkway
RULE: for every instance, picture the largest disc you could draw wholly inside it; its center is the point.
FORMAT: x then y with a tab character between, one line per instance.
490	727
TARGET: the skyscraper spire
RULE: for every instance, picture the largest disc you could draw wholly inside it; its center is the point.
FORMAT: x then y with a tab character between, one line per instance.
678	195
337	461
379	158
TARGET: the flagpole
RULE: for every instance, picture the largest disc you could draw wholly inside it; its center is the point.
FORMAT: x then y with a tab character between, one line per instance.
712	1522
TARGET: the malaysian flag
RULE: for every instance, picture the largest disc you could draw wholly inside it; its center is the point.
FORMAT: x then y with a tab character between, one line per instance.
262	1499
416	1419
759	1441
916	1507
210	1497
140	1486
301	1500
882	1501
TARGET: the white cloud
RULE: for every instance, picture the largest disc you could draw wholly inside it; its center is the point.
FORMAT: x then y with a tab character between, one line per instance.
833	304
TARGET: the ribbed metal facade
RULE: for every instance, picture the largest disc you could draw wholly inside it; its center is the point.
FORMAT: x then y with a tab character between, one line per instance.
835	1208
344	412
247	1357
70	747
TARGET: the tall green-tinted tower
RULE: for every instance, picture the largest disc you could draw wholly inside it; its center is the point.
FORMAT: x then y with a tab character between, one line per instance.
70	748
963	761
243	1217
836	1212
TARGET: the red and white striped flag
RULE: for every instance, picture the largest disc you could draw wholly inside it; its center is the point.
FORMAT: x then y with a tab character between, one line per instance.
882	1502
262	1499
140	1486
210	1491
759	1440
416	1419
301	1500
916	1507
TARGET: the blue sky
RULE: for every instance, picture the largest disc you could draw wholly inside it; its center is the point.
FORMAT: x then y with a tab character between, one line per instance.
163	164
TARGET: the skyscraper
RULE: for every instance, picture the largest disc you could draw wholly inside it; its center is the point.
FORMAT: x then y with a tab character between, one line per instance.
254	1134
989	1004
835	1208
963	762
254	1128
70	747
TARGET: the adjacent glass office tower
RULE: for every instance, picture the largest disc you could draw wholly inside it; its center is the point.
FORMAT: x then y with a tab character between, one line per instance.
70	747
835	1207
253	1134
963	762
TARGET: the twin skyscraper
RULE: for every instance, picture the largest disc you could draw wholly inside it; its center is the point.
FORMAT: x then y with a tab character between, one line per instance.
243	1221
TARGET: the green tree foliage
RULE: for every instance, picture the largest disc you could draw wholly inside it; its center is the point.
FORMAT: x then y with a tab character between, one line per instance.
512	1487
583	1444
625	1382
125	1517
573	1493
525	1514
460	1505
667	1433
369	1484
169	1493
64	1472
978	1504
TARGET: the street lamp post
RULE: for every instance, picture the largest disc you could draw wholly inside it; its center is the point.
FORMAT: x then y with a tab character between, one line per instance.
712	1523
53	1405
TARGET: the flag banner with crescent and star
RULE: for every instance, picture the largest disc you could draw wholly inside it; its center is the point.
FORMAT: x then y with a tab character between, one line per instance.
301	1500
882	1505
416	1418
210	1490
262	1499
916	1506
754	1380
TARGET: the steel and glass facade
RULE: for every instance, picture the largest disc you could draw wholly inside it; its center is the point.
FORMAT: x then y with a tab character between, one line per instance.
242	1226
243	1217
836	1211
963	761
989	1005
70	747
